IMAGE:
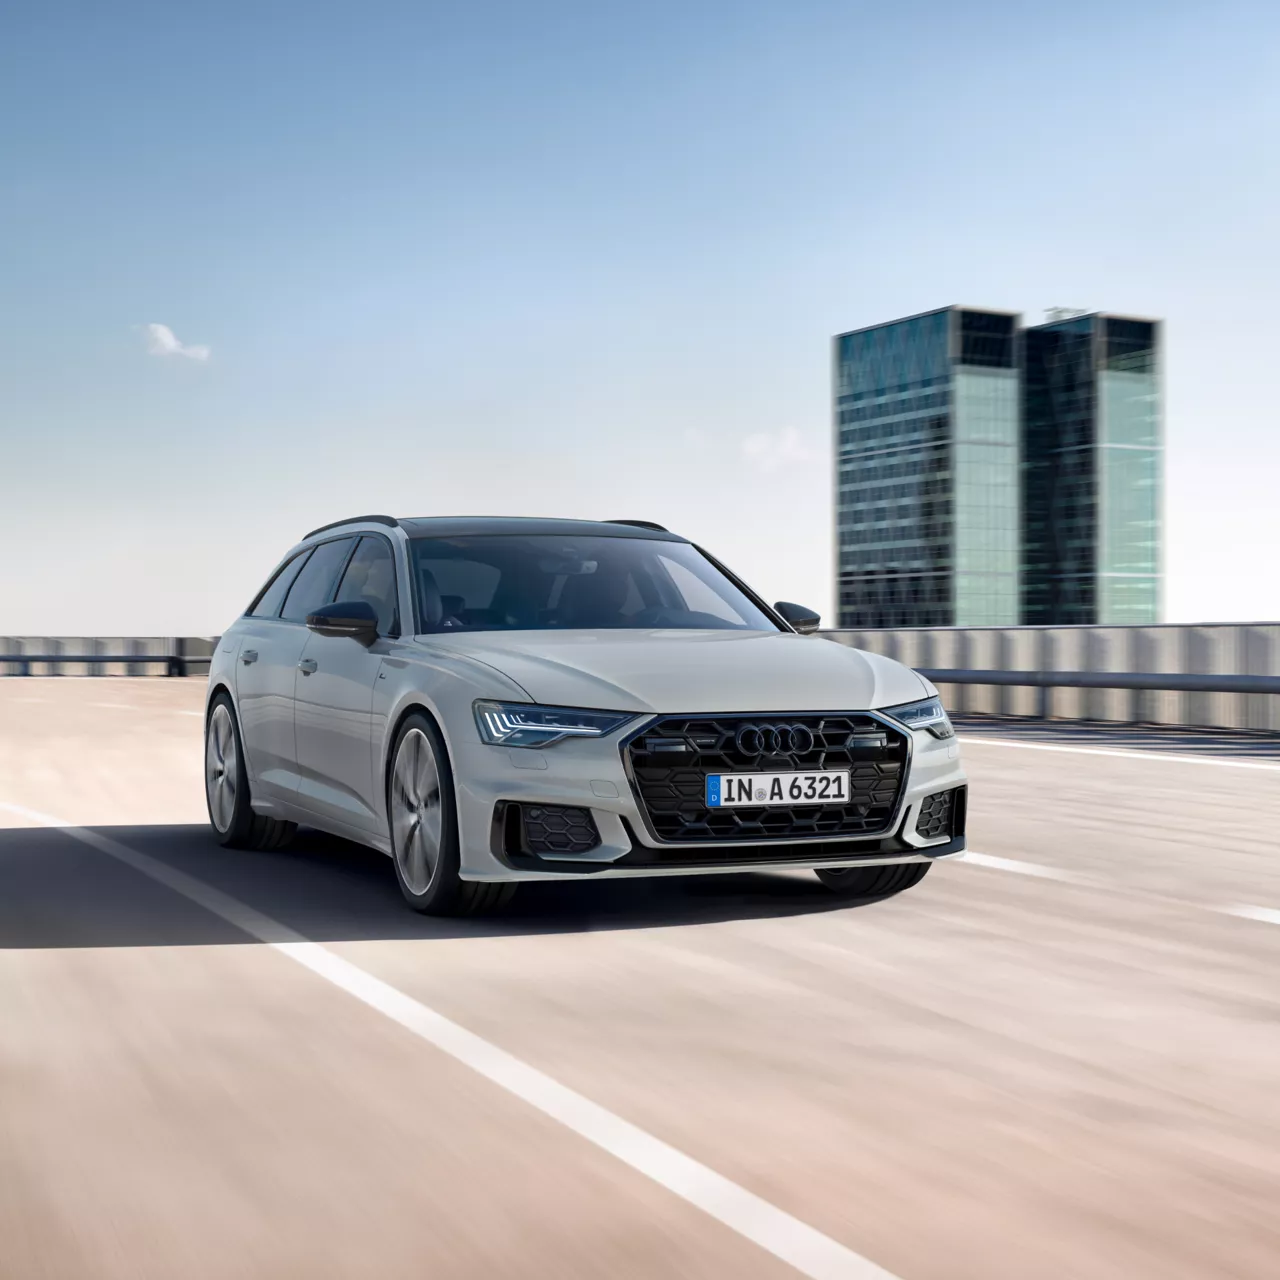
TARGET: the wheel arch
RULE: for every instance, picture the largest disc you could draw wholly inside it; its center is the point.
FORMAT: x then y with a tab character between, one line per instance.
413	705
216	688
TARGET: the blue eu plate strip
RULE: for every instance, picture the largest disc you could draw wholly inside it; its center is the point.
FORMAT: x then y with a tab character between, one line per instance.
713	791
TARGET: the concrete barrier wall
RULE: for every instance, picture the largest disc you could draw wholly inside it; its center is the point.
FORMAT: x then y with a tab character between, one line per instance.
115	650
1209	649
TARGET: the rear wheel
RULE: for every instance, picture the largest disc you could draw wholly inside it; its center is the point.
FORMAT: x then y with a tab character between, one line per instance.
424	828
871	884
226	786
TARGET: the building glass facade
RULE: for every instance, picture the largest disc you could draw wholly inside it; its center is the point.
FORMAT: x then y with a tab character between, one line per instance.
1092	472
927	445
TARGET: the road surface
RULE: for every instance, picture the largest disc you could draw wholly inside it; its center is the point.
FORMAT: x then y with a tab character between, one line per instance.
1057	1059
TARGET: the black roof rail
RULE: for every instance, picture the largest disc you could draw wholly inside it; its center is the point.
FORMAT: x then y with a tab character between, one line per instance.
641	524
387	520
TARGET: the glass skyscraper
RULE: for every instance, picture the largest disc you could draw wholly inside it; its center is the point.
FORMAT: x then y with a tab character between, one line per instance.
991	475
927	464
1093	471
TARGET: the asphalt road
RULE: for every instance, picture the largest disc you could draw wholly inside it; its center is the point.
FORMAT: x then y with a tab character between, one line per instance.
1057	1059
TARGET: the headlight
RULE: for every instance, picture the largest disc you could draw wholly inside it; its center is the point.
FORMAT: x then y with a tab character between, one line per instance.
927	714
522	724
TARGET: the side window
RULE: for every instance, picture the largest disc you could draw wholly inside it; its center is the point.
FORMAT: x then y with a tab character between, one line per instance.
314	584
371	577
267	605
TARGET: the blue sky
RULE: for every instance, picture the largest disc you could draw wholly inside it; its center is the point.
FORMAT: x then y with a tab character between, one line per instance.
586	259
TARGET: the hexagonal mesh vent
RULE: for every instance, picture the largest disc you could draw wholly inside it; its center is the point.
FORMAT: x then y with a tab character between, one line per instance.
556	828
937	814
671	758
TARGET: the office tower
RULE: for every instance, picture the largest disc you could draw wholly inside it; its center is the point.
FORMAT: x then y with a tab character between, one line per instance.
1092	448
988	475
927	463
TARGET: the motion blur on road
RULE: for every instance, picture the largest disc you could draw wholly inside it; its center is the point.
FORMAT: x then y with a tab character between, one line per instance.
1055	1059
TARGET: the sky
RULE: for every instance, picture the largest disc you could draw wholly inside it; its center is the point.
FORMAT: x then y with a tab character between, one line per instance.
266	265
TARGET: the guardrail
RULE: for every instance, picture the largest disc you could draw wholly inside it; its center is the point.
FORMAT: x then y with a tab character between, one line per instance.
129	656
1221	675
1166	681
1217	675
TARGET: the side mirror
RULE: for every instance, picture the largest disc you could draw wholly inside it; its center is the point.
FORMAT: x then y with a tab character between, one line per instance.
805	621
354	618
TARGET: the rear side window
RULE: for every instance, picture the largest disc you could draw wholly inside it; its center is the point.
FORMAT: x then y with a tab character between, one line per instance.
267	605
314	584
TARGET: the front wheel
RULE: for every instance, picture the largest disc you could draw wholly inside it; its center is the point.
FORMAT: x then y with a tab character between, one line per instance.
873	884
423	817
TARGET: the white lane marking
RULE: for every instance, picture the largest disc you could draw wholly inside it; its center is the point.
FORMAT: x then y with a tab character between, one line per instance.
807	1250
1020	868
979	740
190	713
113	706
1267	915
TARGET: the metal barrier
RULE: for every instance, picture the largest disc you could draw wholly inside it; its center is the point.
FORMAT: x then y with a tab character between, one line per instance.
95	656
1221	675
1217	675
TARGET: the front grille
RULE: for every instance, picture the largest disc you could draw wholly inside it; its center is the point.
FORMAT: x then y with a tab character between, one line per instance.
671	758
942	814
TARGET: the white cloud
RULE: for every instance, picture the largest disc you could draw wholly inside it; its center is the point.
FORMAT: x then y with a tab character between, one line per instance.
770	450
162	341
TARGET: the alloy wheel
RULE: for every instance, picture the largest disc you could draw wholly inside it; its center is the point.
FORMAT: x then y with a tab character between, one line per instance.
417	815
221	767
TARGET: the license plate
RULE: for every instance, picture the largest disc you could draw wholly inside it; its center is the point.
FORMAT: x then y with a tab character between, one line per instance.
826	786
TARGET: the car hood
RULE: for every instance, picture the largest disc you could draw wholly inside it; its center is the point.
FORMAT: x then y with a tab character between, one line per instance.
687	671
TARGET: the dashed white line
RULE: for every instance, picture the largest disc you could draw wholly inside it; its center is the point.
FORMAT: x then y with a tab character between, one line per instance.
979	740
1266	915
1019	868
803	1247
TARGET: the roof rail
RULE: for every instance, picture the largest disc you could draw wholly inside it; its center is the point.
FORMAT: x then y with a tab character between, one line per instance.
388	520
641	524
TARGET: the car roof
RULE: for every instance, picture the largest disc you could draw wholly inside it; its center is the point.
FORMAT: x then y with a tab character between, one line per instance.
526	526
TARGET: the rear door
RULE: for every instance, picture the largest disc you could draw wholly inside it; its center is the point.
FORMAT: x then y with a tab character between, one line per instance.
267	668
334	717
264	685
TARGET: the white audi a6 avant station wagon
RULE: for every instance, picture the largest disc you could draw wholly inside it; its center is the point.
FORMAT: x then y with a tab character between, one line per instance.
489	700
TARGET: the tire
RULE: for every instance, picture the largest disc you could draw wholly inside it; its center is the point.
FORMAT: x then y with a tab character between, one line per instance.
226	786
422	820
873	884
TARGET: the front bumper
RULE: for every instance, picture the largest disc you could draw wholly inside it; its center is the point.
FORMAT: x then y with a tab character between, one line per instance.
592	775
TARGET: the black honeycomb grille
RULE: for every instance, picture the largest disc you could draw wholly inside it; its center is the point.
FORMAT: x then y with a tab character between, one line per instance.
671	758
558	829
938	814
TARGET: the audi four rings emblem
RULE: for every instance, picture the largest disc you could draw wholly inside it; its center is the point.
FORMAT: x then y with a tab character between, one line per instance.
774	739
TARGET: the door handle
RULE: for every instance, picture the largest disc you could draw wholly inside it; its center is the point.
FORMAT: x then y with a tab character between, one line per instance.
248	656
307	666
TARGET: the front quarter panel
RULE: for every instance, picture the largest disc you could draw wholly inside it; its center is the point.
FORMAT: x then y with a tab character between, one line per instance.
445	684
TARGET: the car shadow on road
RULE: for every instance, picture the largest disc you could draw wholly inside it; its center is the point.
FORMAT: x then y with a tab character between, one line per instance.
58	891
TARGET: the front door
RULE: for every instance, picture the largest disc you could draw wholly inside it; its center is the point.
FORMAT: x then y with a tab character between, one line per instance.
337	730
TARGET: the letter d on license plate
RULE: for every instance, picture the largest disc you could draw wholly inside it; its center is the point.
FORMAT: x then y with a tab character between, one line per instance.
826	786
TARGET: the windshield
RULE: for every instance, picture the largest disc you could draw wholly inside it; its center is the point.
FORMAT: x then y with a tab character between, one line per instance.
509	583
